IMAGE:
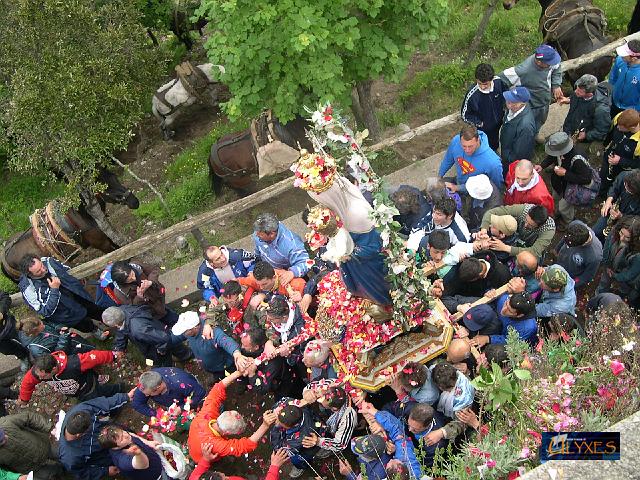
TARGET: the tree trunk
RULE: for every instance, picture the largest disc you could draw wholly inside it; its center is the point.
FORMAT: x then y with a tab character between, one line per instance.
93	208
475	43
368	112
356	109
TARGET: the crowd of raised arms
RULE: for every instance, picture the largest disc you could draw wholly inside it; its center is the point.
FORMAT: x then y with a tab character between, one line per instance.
502	226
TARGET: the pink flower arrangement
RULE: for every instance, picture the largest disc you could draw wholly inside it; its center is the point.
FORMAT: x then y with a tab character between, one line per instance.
616	367
169	420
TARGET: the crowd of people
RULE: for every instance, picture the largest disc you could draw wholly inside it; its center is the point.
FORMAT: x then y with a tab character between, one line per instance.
488	232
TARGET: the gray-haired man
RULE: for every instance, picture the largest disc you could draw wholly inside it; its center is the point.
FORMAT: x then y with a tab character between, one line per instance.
279	246
589	115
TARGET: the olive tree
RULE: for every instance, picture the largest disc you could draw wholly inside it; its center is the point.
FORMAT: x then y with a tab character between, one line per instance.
284	54
79	77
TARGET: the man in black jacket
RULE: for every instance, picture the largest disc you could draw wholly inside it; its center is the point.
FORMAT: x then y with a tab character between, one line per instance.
9	342
589	114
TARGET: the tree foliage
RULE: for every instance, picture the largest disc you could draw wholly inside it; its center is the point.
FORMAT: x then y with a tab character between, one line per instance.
284	54
79	77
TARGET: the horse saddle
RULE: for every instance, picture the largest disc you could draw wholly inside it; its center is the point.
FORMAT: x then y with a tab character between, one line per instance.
229	149
54	230
273	154
193	79
562	16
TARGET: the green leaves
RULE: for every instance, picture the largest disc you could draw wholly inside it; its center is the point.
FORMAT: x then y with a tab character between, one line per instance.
310	52
500	388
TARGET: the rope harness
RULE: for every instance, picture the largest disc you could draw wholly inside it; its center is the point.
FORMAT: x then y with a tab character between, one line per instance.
50	236
562	16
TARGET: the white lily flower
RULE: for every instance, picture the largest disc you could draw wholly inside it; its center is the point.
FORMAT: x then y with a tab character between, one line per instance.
627	347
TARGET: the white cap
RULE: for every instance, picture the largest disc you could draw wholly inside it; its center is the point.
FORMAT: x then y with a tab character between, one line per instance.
625	51
479	187
186	321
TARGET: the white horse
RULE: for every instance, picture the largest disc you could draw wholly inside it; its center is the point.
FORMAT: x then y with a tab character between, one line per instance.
171	97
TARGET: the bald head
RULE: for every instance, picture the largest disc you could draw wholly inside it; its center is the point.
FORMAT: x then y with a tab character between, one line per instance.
459	350
527	260
524	172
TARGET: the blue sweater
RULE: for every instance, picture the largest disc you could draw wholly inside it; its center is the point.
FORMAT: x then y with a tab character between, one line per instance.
625	80
286	252
527	328
84	457
241	263
216	354
484	110
180	385
483	160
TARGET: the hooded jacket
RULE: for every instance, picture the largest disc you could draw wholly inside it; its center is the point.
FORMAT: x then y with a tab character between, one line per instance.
84	457
483	160
57	305
75	376
538	195
625	80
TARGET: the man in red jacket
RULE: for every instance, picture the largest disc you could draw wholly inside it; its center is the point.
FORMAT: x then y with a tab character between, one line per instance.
525	185
71	375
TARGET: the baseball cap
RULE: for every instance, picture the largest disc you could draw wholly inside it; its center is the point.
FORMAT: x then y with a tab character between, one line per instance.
369	446
554	277
186	321
504	223
517	95
547	54
629	49
290	415
479	317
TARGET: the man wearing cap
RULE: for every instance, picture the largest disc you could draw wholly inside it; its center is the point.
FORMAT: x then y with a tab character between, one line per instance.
483	104
25	445
504	229
625	78
536	229
621	148
480	320
212	427
518	132
568	167
215	355
485	195
166	385
372	456
589	114
471	154
517	311
524	185
580	253
541	73
150	336
558	292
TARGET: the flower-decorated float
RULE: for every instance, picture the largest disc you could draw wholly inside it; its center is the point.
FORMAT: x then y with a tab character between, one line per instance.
376	307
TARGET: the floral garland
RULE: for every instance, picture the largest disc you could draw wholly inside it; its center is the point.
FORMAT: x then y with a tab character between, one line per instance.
324	223
166	421
410	288
314	171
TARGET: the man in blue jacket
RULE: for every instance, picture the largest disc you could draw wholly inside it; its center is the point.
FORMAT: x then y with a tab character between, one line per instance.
164	386
220	265
518	133
472	155
80	452
280	247
150	336
217	354
625	78
50	291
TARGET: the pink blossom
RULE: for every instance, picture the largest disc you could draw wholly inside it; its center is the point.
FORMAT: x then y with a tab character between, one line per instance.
617	367
566	379
525	452
491	463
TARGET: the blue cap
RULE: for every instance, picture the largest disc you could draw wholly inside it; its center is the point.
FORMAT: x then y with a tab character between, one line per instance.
517	94
479	317
547	54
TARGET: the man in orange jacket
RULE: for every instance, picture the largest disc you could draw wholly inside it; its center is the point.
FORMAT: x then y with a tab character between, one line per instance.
211	426
278	459
269	281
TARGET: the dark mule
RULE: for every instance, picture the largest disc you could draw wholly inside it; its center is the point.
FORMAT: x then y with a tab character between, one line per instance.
233	158
634	23
574	28
76	225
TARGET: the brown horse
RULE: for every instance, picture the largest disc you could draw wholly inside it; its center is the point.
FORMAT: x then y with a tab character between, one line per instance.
574	28
233	158
63	235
